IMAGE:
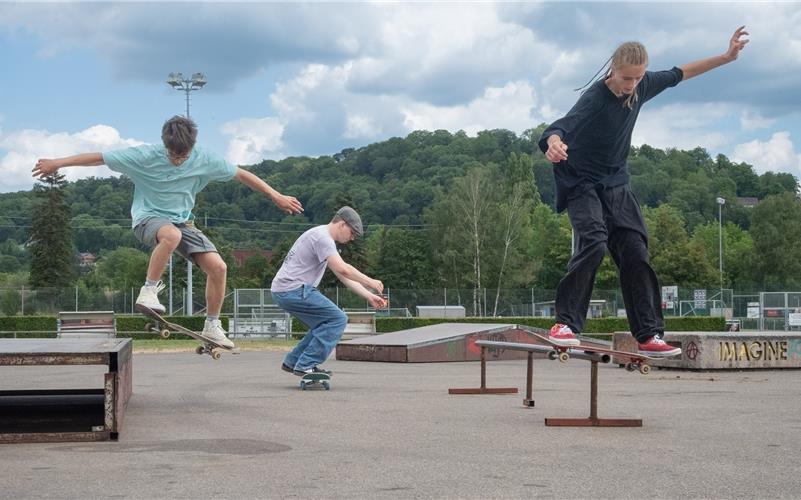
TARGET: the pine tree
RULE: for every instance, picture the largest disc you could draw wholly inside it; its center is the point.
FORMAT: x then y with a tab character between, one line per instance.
50	244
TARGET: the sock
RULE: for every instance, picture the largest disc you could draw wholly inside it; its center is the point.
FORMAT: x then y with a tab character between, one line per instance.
212	318
151	282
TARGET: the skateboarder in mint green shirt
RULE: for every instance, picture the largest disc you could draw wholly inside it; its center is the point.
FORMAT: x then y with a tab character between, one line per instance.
167	178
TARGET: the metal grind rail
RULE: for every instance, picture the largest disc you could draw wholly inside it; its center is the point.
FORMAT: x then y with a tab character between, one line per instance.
553	354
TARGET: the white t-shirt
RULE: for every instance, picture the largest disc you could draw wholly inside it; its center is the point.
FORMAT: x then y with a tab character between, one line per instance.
306	261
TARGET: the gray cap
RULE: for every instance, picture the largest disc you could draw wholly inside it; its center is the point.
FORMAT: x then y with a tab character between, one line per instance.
350	216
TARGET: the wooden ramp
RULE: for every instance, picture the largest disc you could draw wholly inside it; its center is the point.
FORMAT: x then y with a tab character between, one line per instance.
436	343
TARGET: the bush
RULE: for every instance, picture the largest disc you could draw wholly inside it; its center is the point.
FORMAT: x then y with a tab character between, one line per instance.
127	326
10	302
600	326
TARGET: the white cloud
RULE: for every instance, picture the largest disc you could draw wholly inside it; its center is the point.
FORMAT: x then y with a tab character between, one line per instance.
253	139
373	70
361	126
775	155
289	98
510	107
24	147
683	126
751	120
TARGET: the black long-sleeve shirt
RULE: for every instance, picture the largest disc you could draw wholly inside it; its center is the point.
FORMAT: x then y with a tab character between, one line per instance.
597	131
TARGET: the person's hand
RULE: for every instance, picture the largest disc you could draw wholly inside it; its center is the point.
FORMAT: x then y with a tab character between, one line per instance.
45	167
288	204
736	43
376	285
377	302
557	150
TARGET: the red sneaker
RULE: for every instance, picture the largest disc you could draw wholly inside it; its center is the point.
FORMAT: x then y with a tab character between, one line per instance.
658	348
562	335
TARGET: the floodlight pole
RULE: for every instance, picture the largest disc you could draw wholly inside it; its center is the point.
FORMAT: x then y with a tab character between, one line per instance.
186	85
178	82
721	202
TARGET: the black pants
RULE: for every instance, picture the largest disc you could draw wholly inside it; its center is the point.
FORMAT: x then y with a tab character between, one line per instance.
610	218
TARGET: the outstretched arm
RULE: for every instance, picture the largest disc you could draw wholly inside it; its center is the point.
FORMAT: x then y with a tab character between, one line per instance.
736	44
344	270
287	204
46	166
376	301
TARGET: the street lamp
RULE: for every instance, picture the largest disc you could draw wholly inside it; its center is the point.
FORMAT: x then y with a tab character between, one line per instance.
721	202
178	82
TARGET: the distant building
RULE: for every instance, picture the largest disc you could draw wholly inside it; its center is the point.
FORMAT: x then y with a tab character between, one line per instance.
242	255
86	262
86	259
747	201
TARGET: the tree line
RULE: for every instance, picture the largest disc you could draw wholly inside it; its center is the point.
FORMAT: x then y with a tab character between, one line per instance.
441	209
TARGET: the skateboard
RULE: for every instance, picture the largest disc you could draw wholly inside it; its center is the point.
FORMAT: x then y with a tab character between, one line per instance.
164	328
634	361
312	379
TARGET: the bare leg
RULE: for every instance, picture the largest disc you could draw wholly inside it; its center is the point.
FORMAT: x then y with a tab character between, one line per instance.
216	271
168	238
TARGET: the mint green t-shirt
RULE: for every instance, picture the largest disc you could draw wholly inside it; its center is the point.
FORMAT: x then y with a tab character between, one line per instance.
160	188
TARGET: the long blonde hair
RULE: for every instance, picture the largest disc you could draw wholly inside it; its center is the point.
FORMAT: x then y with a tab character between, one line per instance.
627	54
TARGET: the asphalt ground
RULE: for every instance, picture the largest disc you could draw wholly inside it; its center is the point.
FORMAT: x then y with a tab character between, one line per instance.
241	428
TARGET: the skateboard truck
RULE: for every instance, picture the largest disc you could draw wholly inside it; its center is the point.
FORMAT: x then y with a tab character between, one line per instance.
163	328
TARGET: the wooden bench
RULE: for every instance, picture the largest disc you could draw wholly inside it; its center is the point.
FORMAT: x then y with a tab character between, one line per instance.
86	324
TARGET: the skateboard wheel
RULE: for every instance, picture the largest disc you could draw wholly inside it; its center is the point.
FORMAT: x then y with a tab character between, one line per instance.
215	355
149	327
165	333
552	355
199	349
563	357
645	369
327	386
630	367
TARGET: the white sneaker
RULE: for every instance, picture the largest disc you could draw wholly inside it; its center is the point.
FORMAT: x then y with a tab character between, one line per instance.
213	330
149	297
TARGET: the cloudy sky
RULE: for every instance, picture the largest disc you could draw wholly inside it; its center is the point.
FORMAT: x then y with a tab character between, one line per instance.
312	79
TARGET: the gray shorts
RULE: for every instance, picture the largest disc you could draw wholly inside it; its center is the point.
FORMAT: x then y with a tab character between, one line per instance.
192	239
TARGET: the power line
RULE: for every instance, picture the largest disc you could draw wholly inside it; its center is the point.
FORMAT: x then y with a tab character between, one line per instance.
311	224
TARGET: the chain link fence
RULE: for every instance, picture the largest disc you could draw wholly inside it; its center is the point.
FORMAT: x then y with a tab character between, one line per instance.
743	311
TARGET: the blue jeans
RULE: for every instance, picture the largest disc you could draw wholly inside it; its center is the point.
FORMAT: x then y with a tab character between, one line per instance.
325	320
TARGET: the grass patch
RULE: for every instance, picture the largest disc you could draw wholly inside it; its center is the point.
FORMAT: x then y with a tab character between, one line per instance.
173	345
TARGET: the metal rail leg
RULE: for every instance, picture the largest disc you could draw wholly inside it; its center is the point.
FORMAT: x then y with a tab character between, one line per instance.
483	389
593	420
529	400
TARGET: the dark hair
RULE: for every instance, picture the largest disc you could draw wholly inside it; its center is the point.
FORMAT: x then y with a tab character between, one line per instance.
179	135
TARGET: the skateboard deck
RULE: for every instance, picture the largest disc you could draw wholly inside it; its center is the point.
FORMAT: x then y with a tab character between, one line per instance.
312	379
164	328
634	361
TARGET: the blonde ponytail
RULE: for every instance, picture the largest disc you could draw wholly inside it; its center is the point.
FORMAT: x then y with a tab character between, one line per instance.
629	54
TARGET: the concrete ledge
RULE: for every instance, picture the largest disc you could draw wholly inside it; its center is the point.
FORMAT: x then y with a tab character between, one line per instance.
725	351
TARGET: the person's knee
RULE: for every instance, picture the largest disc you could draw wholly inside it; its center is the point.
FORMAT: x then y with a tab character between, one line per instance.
339	320
636	250
342	319
218	268
169	236
595	253
634	253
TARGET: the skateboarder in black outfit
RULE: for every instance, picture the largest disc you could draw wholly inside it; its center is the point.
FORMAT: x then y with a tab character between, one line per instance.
593	185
